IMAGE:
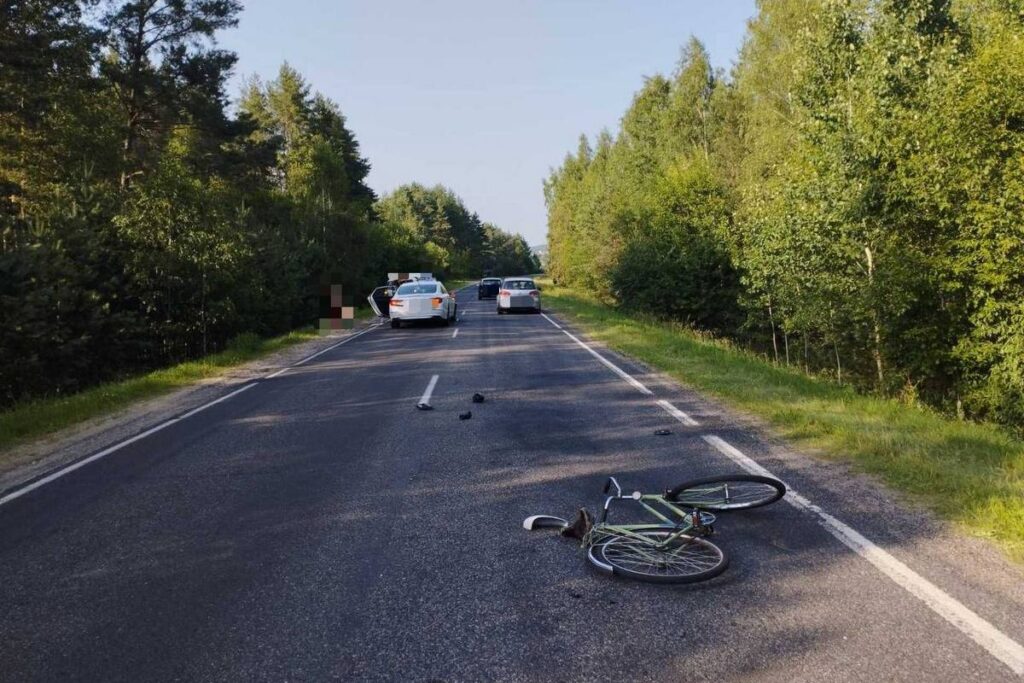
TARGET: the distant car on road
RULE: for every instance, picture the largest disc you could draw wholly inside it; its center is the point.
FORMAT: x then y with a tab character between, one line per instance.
518	293
422	300
488	288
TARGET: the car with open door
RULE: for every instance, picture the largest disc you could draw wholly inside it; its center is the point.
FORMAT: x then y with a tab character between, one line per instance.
518	294
381	296
380	299
422	300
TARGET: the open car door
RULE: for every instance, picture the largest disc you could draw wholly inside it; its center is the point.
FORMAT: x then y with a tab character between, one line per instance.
379	300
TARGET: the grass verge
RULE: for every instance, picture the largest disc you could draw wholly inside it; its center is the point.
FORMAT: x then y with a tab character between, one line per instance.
34	419
972	474
452	285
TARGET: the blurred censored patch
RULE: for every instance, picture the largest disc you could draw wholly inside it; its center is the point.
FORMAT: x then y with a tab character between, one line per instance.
336	310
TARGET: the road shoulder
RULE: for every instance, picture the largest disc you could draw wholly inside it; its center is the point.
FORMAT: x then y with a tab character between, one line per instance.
973	570
30	460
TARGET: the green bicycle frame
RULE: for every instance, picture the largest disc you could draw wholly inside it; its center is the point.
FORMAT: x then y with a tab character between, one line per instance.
684	523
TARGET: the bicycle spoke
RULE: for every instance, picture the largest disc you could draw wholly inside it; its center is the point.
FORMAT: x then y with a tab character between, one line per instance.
642	555
727	494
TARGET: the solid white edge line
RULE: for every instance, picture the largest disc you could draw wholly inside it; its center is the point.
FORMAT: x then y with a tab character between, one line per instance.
994	641
347	339
334	346
428	392
17	493
611	366
678	414
82	463
991	639
545	316
225	397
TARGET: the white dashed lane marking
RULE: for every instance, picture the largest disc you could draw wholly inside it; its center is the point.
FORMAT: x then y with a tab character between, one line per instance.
429	391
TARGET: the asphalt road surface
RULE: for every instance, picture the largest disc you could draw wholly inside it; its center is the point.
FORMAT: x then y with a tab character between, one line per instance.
316	526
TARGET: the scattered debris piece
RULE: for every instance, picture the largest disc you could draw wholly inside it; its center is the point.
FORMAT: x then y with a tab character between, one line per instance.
424	406
662	432
478	398
466	415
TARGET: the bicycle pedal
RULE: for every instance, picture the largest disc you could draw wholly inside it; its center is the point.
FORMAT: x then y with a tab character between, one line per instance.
580	526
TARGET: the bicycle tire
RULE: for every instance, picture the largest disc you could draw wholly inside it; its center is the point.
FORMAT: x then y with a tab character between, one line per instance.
624	556
733	492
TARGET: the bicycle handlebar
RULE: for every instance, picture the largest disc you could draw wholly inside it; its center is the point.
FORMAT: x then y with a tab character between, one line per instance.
610	483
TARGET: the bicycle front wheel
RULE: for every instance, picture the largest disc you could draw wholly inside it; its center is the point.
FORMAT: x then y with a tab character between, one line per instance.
735	492
686	559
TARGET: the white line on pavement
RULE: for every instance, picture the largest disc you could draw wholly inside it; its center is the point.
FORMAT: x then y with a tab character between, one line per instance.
611	366
107	451
455	333
994	641
545	316
999	645
677	414
322	351
17	493
425	398
225	397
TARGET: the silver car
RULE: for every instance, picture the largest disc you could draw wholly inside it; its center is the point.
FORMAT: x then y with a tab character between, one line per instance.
518	293
423	300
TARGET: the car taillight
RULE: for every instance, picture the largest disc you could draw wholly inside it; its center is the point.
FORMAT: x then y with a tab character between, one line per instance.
436	301
396	302
505	292
535	294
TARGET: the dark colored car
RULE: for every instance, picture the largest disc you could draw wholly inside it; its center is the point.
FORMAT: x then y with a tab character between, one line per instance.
488	288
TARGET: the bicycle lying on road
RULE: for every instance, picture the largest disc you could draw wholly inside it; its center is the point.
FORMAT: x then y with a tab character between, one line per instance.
675	549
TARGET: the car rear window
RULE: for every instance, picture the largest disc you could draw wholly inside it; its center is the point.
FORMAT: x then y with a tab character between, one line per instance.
492	281
519	284
418	288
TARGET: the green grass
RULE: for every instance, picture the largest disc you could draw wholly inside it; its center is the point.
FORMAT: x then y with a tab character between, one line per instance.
971	474
38	418
452	285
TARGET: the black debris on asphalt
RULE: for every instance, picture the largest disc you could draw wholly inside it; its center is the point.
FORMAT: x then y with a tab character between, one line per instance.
662	432
478	398
466	415
424	406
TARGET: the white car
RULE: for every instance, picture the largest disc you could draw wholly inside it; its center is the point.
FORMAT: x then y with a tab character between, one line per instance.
423	300
518	293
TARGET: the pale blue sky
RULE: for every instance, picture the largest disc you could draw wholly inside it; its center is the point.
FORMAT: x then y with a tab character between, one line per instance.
484	96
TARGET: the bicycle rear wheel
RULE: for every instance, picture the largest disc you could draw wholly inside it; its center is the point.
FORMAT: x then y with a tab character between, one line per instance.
686	560
734	492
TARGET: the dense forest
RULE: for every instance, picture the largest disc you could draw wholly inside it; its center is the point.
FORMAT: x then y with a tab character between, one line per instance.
145	218
848	200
